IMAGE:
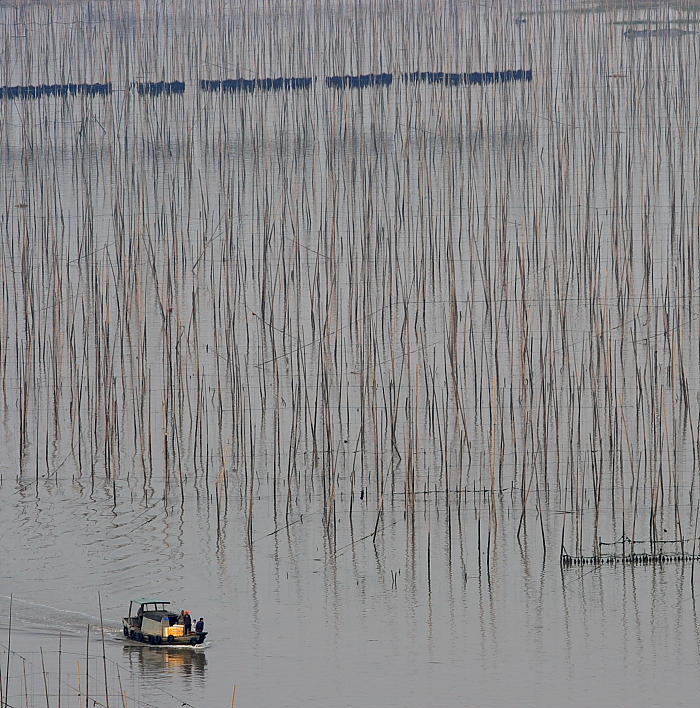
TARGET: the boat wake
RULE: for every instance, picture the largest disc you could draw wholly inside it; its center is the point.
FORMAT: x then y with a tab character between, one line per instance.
42	618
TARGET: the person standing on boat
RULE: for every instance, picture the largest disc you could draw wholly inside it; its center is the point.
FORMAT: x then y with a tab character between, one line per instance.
199	627
187	622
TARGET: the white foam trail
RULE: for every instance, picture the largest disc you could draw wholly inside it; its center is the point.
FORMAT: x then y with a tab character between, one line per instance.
58	609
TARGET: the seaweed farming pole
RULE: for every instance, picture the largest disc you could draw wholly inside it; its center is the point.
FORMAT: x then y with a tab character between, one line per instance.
26	687
9	650
483	265
121	689
104	656
43	672
87	669
60	637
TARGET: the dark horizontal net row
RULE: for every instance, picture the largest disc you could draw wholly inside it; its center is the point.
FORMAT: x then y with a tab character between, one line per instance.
55	90
633	558
278	84
360	81
368	80
159	88
475	77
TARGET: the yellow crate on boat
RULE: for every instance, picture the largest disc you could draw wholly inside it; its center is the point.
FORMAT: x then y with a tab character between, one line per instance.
176	630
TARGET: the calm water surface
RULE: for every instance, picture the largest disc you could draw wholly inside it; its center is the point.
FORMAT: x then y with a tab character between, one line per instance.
300	622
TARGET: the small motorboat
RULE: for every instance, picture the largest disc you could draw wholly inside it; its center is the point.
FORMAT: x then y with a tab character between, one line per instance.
154	624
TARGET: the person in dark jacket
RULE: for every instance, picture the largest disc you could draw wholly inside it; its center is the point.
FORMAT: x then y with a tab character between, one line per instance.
199	627
188	623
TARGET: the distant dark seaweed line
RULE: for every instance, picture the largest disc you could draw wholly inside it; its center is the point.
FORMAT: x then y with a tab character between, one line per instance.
277	84
369	80
31	91
158	88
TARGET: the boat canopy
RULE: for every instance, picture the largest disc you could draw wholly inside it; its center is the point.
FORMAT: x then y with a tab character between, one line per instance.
148	601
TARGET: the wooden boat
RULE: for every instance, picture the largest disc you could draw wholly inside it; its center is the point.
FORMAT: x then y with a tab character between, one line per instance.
154	624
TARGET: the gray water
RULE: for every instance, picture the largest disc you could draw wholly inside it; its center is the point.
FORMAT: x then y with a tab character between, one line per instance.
346	371
303	626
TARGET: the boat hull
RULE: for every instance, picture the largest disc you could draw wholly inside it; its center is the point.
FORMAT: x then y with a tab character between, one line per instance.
155	640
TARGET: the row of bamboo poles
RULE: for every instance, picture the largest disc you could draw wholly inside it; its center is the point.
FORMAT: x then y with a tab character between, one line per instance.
355	296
